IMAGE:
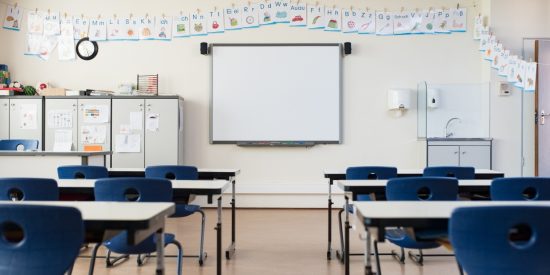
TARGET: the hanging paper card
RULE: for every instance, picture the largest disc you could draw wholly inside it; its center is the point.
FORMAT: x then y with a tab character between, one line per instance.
198	24
66	49
93	134
130	27
333	19
428	21
478	27
33	44
442	21
14	14
530	77
250	16
282	9
47	46
520	74
459	20
98	30
504	60
490	52
298	15
51	24
416	22
114	29
349	21
35	22
266	13
384	23
498	49
215	22
146	28
315	17
402	23
181	26
484	39
58	119
163	28
366	22
81	26
95	114
233	18
512	67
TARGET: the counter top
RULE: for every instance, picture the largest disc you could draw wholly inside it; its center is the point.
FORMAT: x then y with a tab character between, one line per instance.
458	139
50	153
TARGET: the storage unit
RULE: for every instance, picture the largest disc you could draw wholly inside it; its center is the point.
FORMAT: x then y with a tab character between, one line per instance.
21	118
147	131
460	152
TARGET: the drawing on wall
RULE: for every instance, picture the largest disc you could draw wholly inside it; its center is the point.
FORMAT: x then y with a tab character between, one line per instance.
93	134
28	119
14	14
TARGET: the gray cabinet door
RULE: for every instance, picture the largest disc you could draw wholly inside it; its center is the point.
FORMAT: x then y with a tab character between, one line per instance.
4	118
443	156
125	113
60	108
26	119
478	157
91	134
161	142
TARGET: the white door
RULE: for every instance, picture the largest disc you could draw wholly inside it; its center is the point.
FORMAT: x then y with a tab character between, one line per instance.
478	157
26	119
161	136
443	156
543	108
61	118
128	137
4	118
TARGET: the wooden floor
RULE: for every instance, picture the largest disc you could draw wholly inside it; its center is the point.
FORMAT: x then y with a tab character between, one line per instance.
268	242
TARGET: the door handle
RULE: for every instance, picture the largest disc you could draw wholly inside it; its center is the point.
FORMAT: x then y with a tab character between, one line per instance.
543	116
464	153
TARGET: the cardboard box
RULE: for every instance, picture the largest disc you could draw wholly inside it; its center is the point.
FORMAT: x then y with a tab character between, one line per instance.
53	92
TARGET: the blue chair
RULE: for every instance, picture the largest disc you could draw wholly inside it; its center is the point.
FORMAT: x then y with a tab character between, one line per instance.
183	209
418	189
519	189
461	173
137	190
39	239
501	240
28	189
363	173
23	144
82	172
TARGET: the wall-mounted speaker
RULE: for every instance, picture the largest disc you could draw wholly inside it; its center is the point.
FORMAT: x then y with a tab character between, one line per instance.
204	48
347	48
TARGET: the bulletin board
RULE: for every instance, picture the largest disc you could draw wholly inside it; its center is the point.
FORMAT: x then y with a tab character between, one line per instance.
276	94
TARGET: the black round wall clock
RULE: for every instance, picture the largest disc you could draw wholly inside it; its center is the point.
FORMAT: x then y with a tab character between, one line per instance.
86	49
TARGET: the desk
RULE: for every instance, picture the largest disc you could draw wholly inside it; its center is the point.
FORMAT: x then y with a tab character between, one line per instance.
180	187
204	174
335	174
23	163
104	220
376	216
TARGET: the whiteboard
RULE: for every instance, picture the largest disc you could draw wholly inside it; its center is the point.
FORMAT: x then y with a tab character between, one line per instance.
275	93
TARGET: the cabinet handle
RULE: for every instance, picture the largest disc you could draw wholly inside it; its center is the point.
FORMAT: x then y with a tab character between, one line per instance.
148	105
456	153
464	153
140	105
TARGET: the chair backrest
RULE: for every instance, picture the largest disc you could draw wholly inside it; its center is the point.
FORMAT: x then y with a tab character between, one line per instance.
172	172
501	239
28	189
461	173
12	144
422	188
371	172
39	239
519	189
133	189
82	172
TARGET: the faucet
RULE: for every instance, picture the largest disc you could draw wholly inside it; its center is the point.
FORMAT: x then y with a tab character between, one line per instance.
447	134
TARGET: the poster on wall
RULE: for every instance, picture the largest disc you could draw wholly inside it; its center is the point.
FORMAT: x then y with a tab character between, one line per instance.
198	24
28	117
530	76
33	44
14	14
498	50
51	23
428	21
80	25
98	29
478	27
146	28
504	61
250	16
35	22
130	26
114	29
315	17
384	23
459	20
349	21
416	22
47	46
484	39
93	134
215	22
333	19
298	14
281	10
266	10
181	26
512	67
520	74
163	28
233	18
402	23
366	22
95	114
66	49
442	21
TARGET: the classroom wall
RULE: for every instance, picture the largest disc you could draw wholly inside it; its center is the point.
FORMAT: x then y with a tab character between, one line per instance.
372	136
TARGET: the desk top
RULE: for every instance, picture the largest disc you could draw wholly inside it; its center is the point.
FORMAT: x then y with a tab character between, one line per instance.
51	153
407	171
348	185
200	186
201	170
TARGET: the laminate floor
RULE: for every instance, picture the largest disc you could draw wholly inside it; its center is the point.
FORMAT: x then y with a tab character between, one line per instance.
269	242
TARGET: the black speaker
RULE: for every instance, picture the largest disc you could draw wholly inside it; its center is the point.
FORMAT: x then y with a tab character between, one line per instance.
347	48
204	48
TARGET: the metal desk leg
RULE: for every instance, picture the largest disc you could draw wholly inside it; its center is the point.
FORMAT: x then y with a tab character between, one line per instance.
159	235
219	238
330	203
346	238
368	255
230	251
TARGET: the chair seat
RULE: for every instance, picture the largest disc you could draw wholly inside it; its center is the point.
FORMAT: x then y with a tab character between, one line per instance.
184	210
119	245
401	238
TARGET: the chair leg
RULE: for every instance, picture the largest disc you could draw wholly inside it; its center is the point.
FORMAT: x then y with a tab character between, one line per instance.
92	260
340	223
460	268
141	260
378	268
399	257
70	270
201	251
180	255
417	258
109	263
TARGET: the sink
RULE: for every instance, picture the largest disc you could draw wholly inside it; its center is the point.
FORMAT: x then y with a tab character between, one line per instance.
458	139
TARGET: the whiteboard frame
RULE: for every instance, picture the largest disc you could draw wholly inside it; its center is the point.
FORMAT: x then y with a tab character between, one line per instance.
283	143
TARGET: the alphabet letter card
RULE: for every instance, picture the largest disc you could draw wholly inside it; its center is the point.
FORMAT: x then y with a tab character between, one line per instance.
13	18
298	15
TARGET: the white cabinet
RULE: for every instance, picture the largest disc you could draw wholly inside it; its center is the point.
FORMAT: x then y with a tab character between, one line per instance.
26	118
4	118
59	109
94	134
163	144
123	110
460	152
